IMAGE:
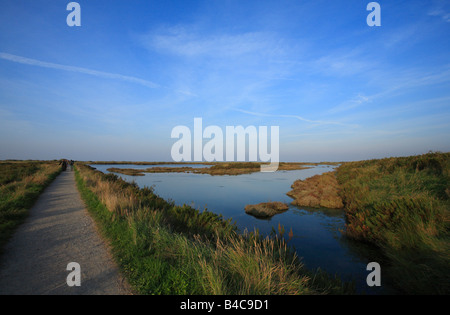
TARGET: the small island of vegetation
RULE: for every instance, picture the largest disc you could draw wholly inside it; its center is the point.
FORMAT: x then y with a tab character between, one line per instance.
213	168
266	210
317	191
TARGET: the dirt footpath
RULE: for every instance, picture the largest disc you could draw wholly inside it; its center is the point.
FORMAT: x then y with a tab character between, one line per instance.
57	232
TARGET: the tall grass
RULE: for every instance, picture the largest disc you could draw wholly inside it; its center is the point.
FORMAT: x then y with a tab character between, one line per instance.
402	206
167	249
20	185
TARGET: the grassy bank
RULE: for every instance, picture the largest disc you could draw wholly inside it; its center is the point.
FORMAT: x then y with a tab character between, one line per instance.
20	185
401	205
166	249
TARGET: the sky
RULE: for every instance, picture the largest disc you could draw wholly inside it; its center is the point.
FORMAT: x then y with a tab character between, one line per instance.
116	86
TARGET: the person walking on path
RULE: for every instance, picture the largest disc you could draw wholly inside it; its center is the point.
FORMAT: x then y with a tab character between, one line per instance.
63	164
59	232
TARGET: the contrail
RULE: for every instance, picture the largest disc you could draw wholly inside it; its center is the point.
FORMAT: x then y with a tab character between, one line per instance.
38	63
317	122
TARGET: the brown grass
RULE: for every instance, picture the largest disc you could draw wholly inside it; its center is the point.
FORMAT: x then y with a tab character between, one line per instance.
317	191
126	171
220	168
21	182
266	209
168	249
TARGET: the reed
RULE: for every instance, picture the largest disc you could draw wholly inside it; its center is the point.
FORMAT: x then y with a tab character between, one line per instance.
167	249
402	206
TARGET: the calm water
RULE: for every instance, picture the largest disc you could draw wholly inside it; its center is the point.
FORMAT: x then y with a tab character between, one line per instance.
317	233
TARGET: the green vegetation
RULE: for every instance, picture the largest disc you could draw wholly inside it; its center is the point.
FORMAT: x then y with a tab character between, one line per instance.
20	185
127	171
166	249
401	205
216	168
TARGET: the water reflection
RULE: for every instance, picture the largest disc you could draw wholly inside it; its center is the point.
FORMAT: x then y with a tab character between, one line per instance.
318	236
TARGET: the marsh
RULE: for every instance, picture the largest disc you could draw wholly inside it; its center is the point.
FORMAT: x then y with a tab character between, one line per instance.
318	237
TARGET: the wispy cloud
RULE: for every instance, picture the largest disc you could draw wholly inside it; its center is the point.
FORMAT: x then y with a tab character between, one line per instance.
315	122
402	83
345	62
186	41
441	12
412	79
220	64
350	104
43	64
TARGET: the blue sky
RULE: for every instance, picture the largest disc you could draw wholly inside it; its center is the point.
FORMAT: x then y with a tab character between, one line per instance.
114	88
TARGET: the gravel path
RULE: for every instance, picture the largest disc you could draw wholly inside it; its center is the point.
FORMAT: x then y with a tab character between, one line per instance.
57	232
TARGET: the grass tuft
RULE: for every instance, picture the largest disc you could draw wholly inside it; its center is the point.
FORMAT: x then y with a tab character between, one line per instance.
166	249
402	206
21	183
